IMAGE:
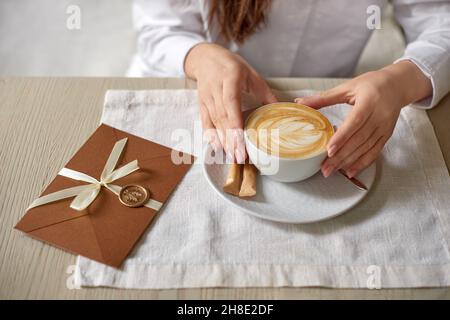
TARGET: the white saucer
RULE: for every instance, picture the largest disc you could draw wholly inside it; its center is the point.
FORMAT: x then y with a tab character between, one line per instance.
311	200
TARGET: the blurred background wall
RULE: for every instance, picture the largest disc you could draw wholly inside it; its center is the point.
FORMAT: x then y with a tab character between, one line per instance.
35	40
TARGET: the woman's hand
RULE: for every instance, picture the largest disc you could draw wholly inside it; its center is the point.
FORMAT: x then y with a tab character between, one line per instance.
221	77
377	98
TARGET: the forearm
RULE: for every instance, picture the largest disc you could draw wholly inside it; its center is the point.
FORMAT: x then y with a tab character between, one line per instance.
408	82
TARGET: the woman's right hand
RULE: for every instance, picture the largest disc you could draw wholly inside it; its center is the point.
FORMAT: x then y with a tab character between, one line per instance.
222	77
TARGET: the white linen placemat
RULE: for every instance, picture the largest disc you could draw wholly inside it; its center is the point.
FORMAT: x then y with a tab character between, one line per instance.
398	236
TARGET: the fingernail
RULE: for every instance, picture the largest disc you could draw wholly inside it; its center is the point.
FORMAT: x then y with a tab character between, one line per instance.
332	150
298	100
326	171
350	173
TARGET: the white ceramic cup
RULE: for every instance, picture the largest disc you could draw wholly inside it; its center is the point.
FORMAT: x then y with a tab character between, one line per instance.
283	169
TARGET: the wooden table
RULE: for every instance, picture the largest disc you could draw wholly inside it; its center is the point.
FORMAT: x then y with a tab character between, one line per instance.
43	121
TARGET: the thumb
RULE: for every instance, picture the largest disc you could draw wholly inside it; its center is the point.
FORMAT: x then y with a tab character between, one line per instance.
325	98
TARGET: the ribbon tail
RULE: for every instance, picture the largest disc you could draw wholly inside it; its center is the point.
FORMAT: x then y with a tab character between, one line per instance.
85	198
122	171
58	195
76	175
113	158
153	204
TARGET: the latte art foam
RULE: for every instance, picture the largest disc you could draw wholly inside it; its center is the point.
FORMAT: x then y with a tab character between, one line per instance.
289	130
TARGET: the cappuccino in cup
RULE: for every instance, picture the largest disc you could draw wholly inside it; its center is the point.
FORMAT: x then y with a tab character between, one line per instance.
287	141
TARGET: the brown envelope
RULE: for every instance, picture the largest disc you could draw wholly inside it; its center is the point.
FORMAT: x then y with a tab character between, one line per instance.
107	230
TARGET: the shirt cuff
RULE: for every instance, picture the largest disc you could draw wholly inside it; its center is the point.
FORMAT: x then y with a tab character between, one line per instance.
433	63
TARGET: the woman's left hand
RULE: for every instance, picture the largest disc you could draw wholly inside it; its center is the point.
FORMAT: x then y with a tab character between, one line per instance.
377	98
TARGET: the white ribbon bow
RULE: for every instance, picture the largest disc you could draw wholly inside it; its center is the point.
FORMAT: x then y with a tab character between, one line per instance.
86	194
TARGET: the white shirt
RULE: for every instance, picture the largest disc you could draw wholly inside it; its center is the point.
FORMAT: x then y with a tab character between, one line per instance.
302	38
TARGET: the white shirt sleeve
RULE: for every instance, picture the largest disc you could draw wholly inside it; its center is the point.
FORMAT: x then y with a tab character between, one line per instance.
167	30
426	24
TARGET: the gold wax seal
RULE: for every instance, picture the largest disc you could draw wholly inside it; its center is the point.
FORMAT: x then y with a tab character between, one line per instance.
134	195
